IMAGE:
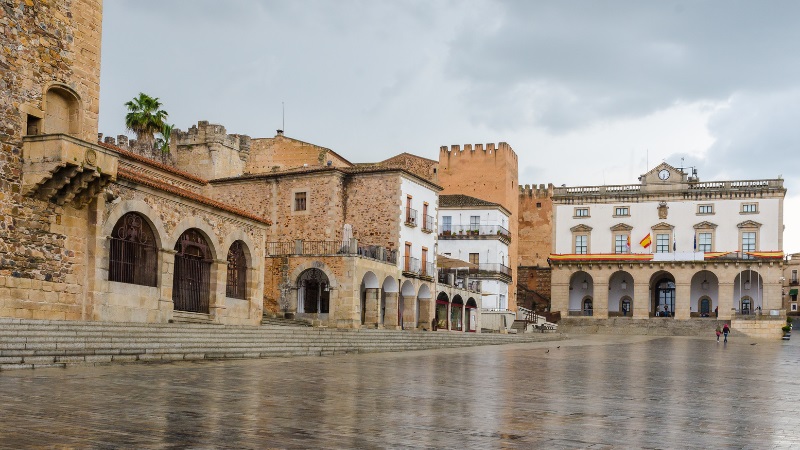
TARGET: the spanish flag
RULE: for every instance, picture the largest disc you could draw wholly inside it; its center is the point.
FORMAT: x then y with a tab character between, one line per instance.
646	241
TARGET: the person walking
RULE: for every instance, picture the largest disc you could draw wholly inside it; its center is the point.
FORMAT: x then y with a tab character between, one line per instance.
719	332
725	330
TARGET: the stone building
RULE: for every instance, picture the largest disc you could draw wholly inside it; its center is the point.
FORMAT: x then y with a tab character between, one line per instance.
670	247
91	231
791	284
535	245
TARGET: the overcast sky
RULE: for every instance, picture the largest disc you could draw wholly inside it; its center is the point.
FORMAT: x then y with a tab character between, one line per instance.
585	92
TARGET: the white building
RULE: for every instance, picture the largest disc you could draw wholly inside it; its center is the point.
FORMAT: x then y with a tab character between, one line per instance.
476	231
670	246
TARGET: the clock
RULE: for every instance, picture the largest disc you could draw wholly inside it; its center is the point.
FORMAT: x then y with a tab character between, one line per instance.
663	174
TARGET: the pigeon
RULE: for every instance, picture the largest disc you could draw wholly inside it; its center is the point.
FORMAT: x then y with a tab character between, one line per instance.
754	343
548	351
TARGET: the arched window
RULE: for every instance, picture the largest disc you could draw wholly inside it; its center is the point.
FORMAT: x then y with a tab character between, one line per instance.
133	255
747	304
237	271
191	281
313	294
62	111
587	307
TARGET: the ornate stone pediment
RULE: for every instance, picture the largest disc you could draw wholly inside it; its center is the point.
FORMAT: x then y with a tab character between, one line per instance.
621	227
704	225
749	224
581	228
662	226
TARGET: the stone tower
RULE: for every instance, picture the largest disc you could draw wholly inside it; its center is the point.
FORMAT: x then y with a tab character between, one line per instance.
488	172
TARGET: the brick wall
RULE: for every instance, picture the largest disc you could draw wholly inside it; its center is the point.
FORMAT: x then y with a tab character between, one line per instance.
208	151
372	205
281	152
535	286
422	167
535	225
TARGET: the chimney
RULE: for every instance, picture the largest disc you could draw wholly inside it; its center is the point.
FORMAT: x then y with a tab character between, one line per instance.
280	132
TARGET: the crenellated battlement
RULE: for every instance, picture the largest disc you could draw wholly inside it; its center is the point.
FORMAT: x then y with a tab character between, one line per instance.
205	133
479	149
540	191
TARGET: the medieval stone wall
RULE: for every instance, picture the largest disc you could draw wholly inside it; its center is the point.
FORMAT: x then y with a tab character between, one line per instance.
208	151
535	225
490	173
49	79
280	153
373	206
422	167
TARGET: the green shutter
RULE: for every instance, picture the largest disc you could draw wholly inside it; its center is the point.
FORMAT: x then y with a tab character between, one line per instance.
793	292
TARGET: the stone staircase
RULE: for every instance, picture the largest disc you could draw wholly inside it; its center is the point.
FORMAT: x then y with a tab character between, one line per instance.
279	321
26	344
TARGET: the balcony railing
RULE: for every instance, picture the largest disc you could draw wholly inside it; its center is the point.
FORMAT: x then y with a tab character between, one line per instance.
489	269
411	265
411	217
330	248
457	278
466	231
427	223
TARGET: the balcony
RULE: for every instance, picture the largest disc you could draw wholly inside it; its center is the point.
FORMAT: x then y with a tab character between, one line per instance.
475	232
302	247
458	278
427	224
490	270
411	217
413	267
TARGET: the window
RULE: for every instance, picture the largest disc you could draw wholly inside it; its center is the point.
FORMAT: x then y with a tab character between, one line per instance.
749	241
704	242
794	276
621	211
581	212
621	243
237	271
538	204
662	243
749	208
474	258
474	222
133	255
705	209
299	201
794	306
581	244
447	224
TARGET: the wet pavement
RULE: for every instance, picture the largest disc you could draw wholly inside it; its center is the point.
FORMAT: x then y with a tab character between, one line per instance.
592	392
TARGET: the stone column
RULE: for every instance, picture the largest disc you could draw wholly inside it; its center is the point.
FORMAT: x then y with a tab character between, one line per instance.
390	321
425	313
772	298
683	298
641	300
216	300
559	290
372	308
725	300
600	298
165	304
410	312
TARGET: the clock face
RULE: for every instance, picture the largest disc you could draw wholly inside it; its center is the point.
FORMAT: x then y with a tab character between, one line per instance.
663	174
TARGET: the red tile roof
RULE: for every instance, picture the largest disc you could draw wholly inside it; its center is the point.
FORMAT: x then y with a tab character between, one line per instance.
140	178
147	161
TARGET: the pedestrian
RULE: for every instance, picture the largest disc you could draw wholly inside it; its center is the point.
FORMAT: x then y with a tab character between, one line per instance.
725	330
716	311
719	332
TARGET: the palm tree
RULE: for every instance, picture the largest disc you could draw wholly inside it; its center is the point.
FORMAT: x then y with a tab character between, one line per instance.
145	118
162	143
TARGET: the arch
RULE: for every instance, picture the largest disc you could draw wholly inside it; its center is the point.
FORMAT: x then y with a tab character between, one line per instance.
370	281
662	286
748	292
236	280
250	248
581	284
191	283
408	290
620	285
148	213
626	306
132	252
390	285
704	285
62	110
313	292
471	316
457	313
587	305
424	292
472	303
441	318
202	227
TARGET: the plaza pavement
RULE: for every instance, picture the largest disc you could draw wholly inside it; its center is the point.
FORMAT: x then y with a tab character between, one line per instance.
587	392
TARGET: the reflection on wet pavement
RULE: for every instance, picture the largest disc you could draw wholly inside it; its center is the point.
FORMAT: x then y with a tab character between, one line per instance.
599	391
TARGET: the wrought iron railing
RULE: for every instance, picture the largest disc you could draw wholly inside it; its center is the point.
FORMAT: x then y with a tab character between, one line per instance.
489	269
462	231
330	248
427	223
411	217
411	265
458	280
427	270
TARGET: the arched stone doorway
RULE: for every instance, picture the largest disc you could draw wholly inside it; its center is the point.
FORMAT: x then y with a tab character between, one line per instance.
704	294
471	315
368	295
457	313
748	292
191	283
133	252
441	317
581	287
588	306
313	292
424	307
662	286
620	286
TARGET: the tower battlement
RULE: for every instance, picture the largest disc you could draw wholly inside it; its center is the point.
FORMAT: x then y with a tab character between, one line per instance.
540	191
210	133
474	149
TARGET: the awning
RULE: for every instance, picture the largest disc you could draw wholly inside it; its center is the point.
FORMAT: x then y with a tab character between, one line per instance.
792	291
444	262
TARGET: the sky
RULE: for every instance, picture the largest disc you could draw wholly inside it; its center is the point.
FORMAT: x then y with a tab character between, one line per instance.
585	92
